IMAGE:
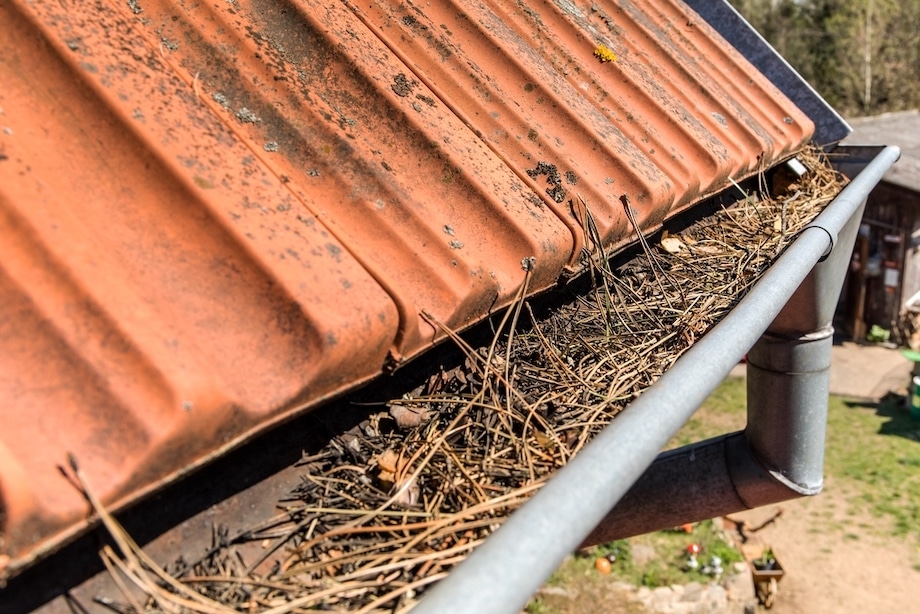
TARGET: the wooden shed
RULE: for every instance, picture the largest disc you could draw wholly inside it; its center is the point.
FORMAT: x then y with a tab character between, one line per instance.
885	269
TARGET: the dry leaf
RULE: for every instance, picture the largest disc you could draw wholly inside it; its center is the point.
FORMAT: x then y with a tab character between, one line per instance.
545	441
388	461
408	495
409	416
707	249
672	245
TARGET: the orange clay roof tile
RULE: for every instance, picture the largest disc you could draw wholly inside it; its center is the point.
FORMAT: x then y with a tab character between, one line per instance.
217	214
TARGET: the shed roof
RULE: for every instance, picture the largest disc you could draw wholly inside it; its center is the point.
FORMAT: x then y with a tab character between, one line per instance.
901	129
218	215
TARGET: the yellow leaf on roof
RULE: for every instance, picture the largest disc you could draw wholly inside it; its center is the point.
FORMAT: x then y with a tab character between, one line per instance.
604	54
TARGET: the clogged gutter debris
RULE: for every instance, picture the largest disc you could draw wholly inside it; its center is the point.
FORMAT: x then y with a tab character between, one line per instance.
390	507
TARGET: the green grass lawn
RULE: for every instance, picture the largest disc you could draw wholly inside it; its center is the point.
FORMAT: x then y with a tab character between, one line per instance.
875	450
872	454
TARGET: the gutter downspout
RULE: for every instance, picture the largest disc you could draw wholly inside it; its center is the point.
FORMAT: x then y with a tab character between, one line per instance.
780	454
502	573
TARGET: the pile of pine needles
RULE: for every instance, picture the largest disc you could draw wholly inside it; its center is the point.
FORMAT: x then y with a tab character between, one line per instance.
389	507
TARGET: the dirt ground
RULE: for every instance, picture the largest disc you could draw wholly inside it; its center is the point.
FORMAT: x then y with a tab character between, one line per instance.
835	561
838	561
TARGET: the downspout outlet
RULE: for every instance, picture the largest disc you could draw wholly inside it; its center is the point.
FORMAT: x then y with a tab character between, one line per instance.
787	391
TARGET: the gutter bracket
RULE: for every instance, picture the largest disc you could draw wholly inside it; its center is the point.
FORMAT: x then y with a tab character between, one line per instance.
832	236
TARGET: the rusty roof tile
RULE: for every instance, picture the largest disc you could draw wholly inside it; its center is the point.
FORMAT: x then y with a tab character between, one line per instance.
216	215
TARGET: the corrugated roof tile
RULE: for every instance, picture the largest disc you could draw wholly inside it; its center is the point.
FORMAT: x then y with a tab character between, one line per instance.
217	214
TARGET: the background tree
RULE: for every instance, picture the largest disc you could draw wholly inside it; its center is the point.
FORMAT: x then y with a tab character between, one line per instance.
863	56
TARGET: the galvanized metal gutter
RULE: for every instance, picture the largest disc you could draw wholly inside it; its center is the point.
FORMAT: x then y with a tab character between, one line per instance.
780	455
502	574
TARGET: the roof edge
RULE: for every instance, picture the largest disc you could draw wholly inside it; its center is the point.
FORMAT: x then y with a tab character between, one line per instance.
830	126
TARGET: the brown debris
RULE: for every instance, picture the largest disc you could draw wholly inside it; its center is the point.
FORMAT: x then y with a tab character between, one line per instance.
381	515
